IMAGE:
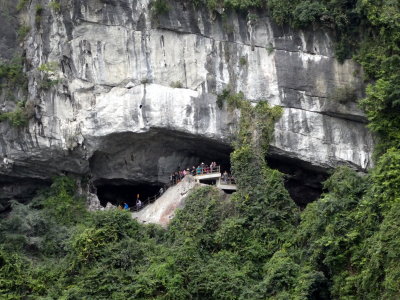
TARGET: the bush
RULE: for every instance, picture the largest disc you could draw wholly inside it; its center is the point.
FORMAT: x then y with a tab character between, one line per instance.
63	204
270	48
55	6
48	83
234	101
21	4
23	31
307	13
176	85
48	68
221	98
242	61
15	279
38	14
159	7
12	74
19	117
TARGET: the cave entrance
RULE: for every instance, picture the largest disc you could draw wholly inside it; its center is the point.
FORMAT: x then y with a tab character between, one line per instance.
118	192
303	182
150	158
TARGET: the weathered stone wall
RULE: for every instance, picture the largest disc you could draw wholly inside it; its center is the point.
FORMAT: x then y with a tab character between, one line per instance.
8	29
119	72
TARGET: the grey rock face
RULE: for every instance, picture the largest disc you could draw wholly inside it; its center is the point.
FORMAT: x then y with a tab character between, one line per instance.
8	31
137	93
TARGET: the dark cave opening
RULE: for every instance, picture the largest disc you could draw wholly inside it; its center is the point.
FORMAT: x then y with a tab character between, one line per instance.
127	164
118	192
303	182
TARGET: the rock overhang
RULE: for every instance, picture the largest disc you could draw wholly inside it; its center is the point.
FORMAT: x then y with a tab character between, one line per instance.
120	72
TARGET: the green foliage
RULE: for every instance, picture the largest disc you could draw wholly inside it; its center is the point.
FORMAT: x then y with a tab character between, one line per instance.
308	12
55	6
38	14
15	282
243	4
234	101
159	7
48	68
17	118
48	83
221	98
48	72
281	11
176	85
247	246
30	230
62	204
242	61
254	244
21	4
270	48
382	107
12	74
386	177
380	57
227	25
23	31
256	123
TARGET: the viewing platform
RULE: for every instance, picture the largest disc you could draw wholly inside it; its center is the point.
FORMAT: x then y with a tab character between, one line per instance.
205	175
215	177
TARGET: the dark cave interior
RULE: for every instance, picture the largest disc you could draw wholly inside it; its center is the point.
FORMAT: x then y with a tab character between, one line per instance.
303	182
118	192
130	164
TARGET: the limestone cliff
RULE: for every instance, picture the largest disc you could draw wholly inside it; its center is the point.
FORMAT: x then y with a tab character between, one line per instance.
133	93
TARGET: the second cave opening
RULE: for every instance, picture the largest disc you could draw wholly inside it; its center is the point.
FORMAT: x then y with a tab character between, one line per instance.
118	192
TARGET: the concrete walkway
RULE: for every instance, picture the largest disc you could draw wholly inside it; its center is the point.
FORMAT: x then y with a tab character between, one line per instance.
163	209
217	180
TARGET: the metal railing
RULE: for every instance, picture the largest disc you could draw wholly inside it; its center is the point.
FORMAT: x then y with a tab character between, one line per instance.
148	201
228	181
207	170
199	171
152	199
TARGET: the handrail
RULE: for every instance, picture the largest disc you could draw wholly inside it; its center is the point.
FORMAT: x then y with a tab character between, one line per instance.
230	181
207	170
199	171
146	202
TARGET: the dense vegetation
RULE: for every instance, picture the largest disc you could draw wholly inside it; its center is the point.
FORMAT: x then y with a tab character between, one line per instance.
254	245
12	74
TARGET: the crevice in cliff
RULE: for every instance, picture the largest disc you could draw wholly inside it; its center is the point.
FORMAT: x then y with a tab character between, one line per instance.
160	27
358	118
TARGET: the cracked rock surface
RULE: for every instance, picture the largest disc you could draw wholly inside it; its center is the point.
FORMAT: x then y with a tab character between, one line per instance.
136	93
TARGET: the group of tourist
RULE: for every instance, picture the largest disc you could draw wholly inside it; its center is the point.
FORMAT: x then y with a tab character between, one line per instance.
177	176
202	168
138	205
